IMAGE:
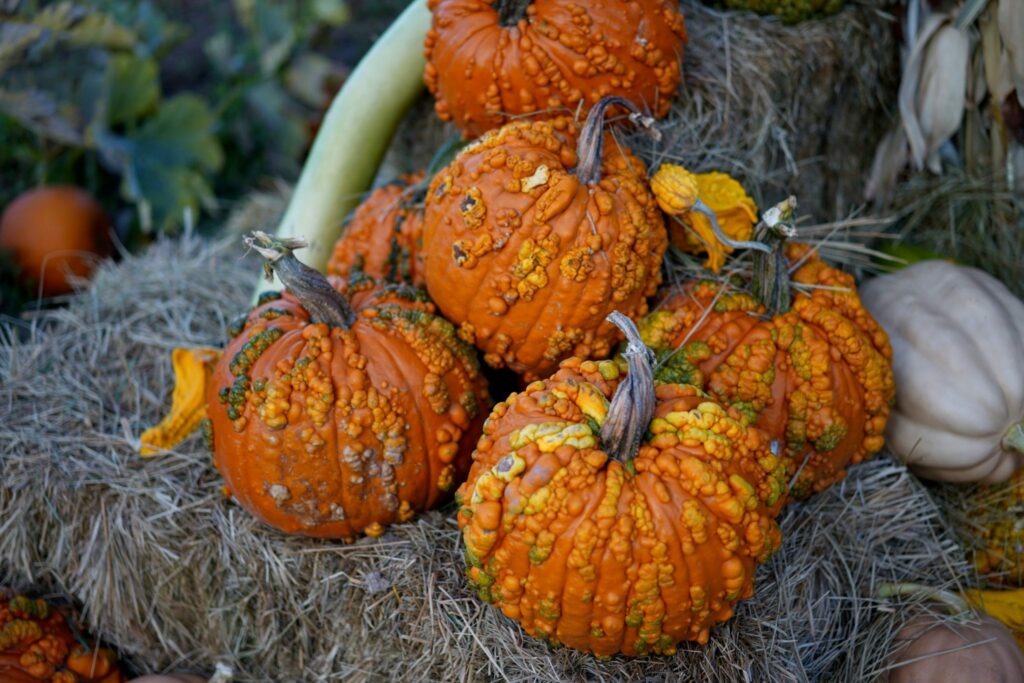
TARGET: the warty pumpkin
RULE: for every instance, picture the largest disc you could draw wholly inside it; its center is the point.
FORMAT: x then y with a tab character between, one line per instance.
990	521
613	513
953	326
38	644
384	237
340	407
532	237
811	367
489	62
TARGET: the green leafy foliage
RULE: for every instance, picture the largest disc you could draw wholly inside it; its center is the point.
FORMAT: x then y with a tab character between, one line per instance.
88	80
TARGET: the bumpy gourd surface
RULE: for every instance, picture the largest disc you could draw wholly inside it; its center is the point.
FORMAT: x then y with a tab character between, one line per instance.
384	237
563	52
526	260
817	378
38	644
327	431
998	523
605	556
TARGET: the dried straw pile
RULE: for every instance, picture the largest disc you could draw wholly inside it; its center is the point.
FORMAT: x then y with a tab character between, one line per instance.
175	575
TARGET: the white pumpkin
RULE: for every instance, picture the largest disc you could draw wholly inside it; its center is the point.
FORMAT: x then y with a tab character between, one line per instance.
957	338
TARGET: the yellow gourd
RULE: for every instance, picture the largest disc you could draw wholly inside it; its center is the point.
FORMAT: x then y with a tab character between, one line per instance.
716	213
192	369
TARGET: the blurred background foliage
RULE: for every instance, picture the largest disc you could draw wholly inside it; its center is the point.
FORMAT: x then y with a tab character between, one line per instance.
159	106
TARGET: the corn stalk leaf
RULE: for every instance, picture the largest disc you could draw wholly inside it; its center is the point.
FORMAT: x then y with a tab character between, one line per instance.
1011	28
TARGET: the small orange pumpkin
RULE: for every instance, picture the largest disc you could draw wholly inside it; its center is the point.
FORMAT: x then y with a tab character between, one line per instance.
54	231
488	62
340	407
384	238
532	237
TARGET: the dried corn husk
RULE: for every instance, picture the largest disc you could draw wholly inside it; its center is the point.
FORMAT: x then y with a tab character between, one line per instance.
934	88
1011	29
890	159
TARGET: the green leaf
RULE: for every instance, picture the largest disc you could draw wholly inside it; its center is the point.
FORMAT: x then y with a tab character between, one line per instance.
133	88
910	254
43	115
331	12
165	163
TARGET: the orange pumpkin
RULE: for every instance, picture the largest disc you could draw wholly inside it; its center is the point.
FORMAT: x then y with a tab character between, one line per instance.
384	237
532	237
490	61
814	372
611	514
38	644
341	407
54	231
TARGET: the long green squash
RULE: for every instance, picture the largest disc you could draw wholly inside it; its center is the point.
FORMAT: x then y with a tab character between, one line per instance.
354	136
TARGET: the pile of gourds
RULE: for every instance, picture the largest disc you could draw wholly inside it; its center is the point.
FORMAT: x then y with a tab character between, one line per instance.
620	501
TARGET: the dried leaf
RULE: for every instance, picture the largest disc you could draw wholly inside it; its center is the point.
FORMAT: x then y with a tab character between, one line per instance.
1011	28
934	89
998	75
890	159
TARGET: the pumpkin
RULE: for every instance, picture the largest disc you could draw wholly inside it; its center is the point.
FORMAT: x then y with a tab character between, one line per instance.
37	643
384	237
810	368
53	232
488	62
712	213
930	649
1007	606
340	407
610	513
953	326
532	237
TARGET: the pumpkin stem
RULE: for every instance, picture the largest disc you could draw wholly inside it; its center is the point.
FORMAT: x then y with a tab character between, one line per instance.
632	406
957	604
589	148
771	268
1013	440
511	12
323	302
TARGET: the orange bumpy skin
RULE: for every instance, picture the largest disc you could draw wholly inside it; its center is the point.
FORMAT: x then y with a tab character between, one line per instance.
38	644
384	238
526	260
995	522
563	52
611	557
818	378
332	432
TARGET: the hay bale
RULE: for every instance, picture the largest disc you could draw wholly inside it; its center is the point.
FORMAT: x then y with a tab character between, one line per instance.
785	109
173	574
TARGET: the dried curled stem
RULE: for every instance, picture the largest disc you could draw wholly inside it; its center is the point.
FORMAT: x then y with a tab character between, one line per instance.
771	270
323	302
589	148
511	12
632	406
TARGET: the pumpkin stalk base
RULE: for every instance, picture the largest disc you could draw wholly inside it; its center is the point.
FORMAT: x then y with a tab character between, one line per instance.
310	287
1013	440
632	406
511	12
771	268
